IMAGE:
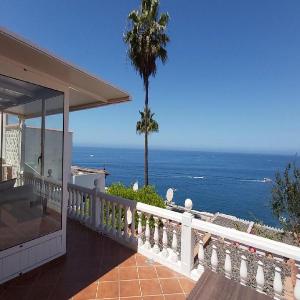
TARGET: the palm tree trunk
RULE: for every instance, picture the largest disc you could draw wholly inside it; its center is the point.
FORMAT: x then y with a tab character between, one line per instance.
146	178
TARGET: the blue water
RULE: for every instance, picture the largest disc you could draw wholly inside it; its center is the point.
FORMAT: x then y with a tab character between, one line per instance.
228	183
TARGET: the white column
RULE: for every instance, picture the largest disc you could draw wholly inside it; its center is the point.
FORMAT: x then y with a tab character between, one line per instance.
140	229
164	251
277	284
187	243
201	258
174	246
214	258
297	288
147	233
227	265
260	278
155	237
243	270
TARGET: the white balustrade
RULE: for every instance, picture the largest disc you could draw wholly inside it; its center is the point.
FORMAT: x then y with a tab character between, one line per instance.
277	284
109	214
227	265
214	258
243	270
260	278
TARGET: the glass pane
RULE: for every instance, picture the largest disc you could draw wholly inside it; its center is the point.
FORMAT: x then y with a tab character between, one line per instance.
31	161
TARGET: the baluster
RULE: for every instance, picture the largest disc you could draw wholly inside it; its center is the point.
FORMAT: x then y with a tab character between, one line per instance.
174	246
200	257
227	265
214	258
113	219
243	270
82	206
102	213
147	233
78	203
140	229
89	208
126	217
155	237
277	284
133	223
297	288
260	278
165	240
69	201
120	221
107	206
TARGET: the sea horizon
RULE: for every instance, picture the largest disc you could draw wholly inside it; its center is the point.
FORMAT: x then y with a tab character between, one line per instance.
238	184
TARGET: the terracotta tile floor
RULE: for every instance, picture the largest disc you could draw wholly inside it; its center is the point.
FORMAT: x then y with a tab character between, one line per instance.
96	267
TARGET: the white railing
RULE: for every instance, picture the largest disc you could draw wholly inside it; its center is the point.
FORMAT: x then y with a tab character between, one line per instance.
168	237
156	233
49	189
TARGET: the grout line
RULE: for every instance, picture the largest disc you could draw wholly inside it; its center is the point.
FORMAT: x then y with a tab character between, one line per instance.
181	286
137	270
98	287
159	282
119	288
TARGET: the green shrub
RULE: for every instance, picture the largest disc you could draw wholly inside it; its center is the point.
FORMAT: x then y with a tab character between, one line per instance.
146	194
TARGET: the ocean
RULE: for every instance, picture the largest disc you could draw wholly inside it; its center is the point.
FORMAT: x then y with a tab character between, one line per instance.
231	183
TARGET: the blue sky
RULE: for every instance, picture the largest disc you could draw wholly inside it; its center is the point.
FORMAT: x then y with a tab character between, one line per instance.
231	82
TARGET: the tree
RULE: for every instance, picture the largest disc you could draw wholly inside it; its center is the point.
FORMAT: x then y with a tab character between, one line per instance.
146	123
147	40
286	199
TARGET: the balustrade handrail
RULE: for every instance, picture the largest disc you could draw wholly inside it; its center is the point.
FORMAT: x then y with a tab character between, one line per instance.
258	242
145	208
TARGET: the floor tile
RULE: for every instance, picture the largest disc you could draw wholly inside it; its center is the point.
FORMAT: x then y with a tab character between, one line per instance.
128	273
110	275
170	286
164	272
186	284
175	297
147	272
108	289
130	288
129	262
150	287
156	297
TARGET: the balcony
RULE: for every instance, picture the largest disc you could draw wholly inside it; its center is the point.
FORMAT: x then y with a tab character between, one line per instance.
96	267
118	248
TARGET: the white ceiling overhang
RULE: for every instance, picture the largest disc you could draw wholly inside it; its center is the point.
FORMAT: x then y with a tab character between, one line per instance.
85	90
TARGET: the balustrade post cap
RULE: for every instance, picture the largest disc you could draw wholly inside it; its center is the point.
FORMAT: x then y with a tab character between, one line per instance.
277	269
227	251
214	246
260	263
201	242
188	204
244	257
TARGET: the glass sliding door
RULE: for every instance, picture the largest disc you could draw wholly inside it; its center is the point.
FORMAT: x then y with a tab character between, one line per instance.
31	162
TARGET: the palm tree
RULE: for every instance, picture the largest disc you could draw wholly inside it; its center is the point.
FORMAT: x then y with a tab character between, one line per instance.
146	123
147	41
